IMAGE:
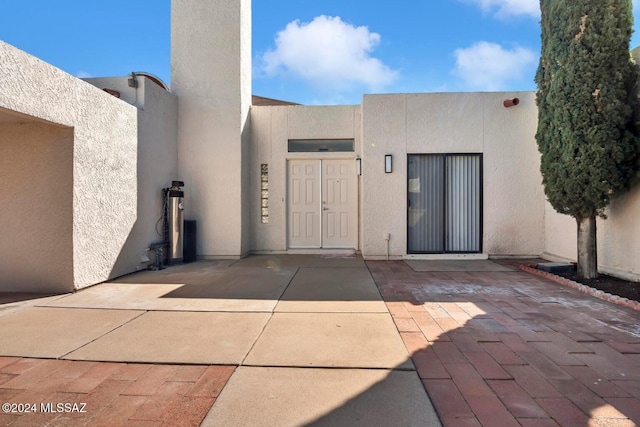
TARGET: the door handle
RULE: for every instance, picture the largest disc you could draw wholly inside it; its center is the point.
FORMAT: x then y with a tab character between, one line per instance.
325	209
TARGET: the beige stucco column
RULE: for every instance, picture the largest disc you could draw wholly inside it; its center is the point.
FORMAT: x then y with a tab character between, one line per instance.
211	75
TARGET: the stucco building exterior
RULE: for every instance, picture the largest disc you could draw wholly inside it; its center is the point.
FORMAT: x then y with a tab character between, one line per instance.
398	176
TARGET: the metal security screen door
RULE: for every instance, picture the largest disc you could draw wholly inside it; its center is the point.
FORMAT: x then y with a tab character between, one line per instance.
323	204
444	203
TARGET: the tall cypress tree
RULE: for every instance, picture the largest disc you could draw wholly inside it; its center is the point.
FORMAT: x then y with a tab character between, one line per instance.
586	103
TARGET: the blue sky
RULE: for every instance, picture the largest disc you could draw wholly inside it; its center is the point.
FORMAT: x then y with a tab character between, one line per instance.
311	52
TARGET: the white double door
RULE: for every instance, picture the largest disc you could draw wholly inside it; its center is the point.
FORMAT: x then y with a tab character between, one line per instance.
323	204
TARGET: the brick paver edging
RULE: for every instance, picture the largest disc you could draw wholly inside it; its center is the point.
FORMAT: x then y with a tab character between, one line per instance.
531	268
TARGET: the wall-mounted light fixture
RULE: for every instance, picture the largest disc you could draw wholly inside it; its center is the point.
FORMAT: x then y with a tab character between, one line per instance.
358	166
388	165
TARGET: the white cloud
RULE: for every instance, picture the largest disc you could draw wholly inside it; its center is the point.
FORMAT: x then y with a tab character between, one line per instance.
83	75
505	8
489	67
329	54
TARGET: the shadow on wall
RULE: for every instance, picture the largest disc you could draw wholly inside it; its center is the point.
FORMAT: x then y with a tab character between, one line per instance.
157	166
36	169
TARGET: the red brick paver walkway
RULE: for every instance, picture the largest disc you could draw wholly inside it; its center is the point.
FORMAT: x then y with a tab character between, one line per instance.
509	349
67	393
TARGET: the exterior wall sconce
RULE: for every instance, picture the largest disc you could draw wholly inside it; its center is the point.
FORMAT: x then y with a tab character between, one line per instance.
388	165
358	166
511	102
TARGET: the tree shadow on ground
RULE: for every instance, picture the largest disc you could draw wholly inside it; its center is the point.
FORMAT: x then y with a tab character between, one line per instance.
492	348
506	348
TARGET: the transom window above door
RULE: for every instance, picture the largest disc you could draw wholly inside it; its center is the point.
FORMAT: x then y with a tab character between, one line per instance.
320	145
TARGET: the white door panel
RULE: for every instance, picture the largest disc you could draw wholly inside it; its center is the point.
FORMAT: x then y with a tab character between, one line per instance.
304	204
339	204
327	222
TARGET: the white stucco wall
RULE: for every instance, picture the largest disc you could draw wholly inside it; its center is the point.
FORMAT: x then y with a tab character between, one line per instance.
157	162
513	194
157	165
271	129
618	237
131	95
104	155
211	75
513	201
245	179
36	169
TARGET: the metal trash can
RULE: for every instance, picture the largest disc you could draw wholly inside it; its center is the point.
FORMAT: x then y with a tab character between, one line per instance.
190	241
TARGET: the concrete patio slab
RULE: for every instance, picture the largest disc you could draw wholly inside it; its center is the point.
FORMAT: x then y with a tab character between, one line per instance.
490	347
11	302
332	290
178	337
275	262
238	284
251	290
348	340
178	274
54	332
456	265
322	397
